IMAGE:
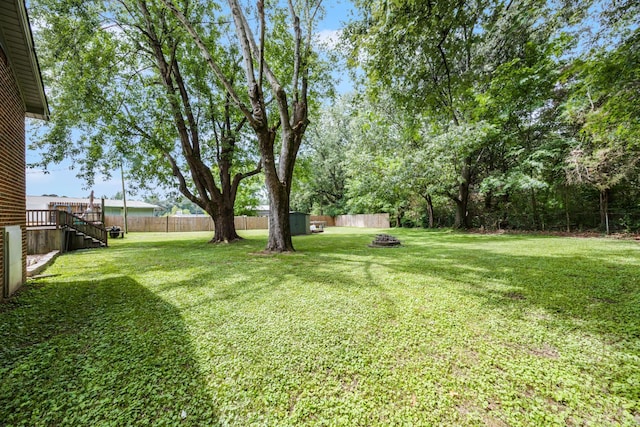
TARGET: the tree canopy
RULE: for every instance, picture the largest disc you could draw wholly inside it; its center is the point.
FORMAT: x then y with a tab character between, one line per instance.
185	93
467	113
492	113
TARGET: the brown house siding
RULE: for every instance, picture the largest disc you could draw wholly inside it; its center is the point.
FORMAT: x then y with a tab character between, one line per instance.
12	161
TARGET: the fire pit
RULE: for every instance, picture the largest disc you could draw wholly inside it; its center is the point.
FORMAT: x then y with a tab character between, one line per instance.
385	241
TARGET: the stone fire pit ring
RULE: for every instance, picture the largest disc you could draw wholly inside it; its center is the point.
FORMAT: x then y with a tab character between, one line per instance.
385	241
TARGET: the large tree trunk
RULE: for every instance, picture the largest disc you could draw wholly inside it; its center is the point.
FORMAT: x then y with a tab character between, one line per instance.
462	200
429	209
604	210
399	217
224	223
277	178
279	228
461	214
566	209
225	229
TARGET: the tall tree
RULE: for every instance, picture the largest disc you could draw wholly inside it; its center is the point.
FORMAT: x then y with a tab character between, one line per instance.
286	73
321	187
437	42
522	101
604	105
452	53
123	79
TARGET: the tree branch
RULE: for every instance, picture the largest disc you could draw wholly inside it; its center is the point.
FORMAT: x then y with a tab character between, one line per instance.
240	176
209	59
249	47
296	53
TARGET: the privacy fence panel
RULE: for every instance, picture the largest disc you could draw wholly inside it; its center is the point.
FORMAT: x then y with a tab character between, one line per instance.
172	224
329	220
363	220
252	223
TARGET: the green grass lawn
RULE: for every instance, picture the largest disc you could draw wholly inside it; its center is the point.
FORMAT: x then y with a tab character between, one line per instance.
450	329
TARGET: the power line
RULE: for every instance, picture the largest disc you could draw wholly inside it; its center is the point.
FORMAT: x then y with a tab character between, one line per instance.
44	171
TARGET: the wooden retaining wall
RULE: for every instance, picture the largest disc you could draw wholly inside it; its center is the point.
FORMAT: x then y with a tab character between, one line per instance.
44	240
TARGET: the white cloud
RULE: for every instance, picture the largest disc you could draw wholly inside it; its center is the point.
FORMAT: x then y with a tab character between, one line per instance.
328	39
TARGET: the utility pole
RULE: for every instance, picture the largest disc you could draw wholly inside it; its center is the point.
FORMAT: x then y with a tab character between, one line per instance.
124	197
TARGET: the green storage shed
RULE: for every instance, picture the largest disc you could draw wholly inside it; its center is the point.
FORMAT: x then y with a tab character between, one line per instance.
299	223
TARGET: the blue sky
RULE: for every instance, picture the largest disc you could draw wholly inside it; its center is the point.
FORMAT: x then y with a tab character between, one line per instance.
61	180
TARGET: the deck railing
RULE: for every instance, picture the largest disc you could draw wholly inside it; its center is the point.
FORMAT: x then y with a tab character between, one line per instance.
42	218
62	219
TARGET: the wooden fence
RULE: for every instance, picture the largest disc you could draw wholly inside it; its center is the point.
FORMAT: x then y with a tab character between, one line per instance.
252	222
364	220
329	220
169	224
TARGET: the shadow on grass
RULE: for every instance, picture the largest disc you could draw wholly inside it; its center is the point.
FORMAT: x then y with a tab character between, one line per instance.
593	290
600	290
591	287
98	352
274	320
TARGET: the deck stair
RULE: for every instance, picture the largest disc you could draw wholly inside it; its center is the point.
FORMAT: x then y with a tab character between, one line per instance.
79	232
